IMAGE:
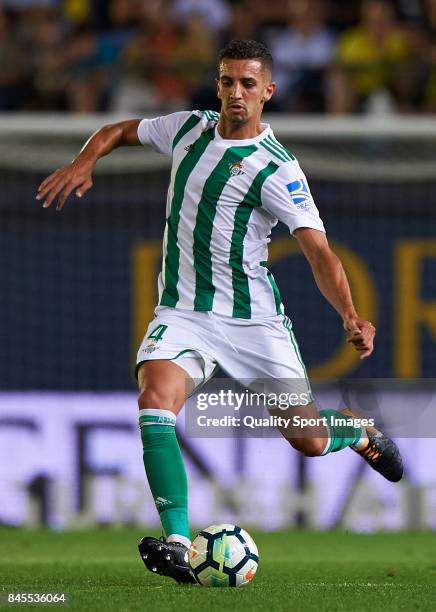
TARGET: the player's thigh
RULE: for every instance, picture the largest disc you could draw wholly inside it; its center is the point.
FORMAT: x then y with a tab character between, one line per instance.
163	385
172	361
267	359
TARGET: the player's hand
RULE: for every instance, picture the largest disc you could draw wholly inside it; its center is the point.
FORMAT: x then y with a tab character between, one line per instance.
75	176
361	335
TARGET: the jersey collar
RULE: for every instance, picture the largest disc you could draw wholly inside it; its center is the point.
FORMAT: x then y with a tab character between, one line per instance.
266	130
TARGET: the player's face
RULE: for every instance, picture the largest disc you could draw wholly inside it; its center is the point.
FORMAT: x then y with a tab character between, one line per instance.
243	88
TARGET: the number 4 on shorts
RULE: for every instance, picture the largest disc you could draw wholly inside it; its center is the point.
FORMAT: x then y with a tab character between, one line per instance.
157	333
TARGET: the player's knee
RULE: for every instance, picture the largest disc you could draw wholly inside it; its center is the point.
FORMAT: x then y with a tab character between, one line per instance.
158	398
310	447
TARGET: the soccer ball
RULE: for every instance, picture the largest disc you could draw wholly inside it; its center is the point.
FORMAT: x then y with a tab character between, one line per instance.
223	555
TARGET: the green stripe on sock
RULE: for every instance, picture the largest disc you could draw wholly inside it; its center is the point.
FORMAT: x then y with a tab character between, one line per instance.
148	420
341	434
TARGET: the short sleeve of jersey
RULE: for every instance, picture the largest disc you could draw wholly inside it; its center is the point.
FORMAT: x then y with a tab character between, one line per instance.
161	131
286	196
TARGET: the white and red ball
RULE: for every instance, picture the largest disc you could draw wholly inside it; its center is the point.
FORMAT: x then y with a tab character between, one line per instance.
222	556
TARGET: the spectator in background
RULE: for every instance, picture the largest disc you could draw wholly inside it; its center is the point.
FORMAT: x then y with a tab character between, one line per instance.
194	54
15	85
73	64
124	15
243	24
87	75
141	55
372	63
268	13
302	52
149	77
343	15
430	87
48	58
77	12
215	14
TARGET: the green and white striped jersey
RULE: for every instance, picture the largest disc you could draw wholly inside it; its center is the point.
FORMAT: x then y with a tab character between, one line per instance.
224	198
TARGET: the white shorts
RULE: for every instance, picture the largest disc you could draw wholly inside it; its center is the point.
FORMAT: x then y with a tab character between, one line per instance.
248	350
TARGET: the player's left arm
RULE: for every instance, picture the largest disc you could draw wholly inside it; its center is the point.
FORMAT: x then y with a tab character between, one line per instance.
332	281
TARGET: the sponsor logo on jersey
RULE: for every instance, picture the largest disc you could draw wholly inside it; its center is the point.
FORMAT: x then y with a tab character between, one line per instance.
189	147
236	169
300	194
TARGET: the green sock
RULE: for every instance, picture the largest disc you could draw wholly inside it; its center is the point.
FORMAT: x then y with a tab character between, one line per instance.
341	435
165	469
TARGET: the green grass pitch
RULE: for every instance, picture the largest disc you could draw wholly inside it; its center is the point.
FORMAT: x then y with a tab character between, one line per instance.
301	571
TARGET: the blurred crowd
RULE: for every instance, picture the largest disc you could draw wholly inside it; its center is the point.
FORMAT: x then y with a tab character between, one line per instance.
137	56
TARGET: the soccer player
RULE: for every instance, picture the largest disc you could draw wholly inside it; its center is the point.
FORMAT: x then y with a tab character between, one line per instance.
231	181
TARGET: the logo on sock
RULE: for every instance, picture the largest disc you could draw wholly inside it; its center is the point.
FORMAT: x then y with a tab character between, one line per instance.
161	501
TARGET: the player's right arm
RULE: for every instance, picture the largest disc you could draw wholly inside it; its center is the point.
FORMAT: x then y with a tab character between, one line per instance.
78	174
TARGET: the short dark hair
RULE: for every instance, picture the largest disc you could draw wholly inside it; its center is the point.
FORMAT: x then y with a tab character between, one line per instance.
246	49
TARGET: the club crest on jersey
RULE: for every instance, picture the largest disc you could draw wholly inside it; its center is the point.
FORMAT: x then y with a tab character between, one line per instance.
189	147
236	169
151	346
300	194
